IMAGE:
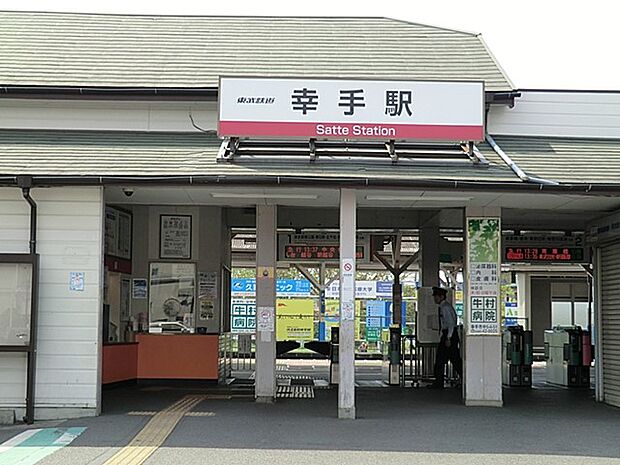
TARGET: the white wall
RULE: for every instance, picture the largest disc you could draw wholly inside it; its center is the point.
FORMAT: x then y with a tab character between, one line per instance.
70	224
571	114
105	115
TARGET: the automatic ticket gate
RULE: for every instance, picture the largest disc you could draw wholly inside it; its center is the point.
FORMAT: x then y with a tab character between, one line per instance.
568	351
518	355
334	368
391	369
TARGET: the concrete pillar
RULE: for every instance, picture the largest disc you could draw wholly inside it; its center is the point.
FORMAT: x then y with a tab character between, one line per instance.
524	299
429	254
266	240
482	384
346	386
210	261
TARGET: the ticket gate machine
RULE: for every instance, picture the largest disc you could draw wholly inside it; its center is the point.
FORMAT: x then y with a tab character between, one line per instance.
334	367
568	351
518	355
391	360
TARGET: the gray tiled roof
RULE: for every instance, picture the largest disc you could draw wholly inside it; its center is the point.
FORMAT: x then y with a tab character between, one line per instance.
563	159
85	50
92	153
96	153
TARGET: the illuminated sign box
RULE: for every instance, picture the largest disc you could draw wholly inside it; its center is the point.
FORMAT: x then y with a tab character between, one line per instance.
351	109
318	247
544	254
317	252
541	248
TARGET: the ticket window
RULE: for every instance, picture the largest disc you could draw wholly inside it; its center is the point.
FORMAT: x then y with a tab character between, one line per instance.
569	304
172	291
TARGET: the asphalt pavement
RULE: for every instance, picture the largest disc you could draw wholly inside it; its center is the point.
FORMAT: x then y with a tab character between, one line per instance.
394	426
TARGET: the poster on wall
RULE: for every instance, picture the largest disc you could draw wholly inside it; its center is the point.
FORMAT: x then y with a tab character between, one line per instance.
483	254
294	320
175	233
139	288
207	294
125	300
118	226
111	231
243	316
76	281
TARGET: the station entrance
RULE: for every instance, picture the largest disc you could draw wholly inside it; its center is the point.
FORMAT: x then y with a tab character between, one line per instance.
208	331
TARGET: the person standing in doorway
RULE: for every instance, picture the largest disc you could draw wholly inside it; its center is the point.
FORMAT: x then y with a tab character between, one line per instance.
449	342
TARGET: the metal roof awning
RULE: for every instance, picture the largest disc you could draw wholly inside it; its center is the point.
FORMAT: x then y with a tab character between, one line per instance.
355	152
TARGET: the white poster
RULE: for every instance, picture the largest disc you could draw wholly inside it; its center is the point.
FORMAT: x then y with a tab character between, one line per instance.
175	236
265	320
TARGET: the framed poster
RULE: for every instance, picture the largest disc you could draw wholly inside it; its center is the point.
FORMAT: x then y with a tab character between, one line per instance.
139	288
175	236
118	231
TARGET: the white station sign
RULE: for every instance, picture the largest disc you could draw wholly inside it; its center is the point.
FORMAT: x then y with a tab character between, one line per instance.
351	109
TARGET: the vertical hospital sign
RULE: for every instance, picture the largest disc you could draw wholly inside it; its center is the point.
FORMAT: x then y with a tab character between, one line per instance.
351	109
483	271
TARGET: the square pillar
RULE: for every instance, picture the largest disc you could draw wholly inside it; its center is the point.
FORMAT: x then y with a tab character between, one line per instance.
429	253
482	384
348	227
266	240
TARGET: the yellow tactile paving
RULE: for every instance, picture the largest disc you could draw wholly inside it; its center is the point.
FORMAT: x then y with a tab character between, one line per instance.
153	435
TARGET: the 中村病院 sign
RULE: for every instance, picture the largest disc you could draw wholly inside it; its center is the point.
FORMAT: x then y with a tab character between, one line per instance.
351	109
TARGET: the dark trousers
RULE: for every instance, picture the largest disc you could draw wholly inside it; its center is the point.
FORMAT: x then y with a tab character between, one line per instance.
444	354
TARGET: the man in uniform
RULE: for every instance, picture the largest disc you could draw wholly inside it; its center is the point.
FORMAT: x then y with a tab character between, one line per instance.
449	339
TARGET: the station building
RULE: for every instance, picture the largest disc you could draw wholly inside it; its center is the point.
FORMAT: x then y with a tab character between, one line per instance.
119	199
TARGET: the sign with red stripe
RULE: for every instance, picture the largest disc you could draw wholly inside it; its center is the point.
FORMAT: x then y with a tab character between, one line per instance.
351	109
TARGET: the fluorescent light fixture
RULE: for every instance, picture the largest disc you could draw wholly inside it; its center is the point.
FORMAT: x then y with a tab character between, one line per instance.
418	198
260	195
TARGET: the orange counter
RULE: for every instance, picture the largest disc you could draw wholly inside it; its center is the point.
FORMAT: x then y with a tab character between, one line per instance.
120	362
178	356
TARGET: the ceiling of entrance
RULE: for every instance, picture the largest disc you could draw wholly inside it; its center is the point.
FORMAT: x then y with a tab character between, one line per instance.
369	198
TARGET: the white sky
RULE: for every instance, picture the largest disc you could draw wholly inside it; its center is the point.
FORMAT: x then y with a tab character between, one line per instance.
540	43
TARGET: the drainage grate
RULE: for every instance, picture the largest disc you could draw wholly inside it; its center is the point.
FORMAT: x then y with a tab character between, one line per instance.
295	392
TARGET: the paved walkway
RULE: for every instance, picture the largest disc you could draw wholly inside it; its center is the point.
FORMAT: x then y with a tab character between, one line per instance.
395	426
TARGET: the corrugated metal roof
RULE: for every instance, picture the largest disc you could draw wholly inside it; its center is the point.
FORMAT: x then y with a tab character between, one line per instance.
563	159
90	153
85	50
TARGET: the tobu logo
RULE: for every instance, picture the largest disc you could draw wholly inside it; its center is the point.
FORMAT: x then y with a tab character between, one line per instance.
256	100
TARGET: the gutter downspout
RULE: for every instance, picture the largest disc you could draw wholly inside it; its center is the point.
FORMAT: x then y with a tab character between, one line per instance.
25	184
515	168
33	219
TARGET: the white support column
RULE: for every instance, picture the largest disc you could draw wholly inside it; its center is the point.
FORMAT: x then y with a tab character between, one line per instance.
524	299
346	386
482	384
265	387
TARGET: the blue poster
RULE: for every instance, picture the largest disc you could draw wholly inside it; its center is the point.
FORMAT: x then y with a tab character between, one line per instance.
384	289
284	287
376	314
